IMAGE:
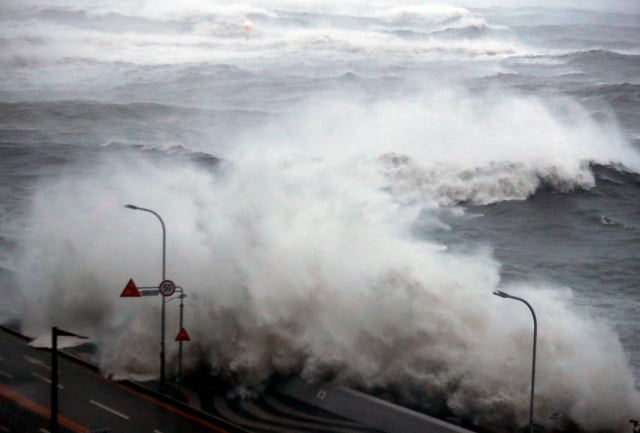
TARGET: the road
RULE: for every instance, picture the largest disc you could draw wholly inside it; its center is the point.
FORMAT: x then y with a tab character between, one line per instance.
88	402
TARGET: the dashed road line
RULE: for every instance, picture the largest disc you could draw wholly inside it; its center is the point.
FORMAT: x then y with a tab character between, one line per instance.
45	379
7	375
4	429
108	409
212	427
35	361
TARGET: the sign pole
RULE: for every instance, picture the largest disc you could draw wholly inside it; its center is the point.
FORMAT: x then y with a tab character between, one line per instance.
180	345
54	380
164	303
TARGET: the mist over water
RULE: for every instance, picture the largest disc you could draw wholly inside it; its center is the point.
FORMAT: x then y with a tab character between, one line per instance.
333	239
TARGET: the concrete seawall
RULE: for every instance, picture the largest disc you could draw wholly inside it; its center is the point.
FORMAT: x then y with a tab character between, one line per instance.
365	409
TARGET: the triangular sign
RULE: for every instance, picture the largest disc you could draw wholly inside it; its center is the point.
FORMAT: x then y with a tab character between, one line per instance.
183	335
130	290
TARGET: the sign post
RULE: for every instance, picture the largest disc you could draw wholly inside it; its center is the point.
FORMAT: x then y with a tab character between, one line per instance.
166	288
183	335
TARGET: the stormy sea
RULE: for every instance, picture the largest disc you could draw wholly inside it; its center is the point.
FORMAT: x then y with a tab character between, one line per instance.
344	185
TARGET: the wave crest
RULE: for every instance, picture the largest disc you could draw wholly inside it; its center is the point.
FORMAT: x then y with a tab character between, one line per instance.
491	183
423	15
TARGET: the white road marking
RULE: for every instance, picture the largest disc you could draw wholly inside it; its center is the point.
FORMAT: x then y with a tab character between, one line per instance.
35	361
108	409
5	429
157	431
46	379
7	375
44	430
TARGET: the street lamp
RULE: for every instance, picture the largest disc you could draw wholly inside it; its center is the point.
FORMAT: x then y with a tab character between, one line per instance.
55	332
533	362
164	257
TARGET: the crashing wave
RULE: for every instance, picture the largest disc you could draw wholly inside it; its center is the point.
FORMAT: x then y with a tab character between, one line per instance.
491	183
423	16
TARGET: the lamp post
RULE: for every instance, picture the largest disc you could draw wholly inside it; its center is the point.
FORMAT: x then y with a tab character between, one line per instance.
164	256
55	332
533	362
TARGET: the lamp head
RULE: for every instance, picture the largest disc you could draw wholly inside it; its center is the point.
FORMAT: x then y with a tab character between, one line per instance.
130	206
501	294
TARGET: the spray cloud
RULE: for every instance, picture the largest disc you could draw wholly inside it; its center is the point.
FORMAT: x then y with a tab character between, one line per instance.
297	256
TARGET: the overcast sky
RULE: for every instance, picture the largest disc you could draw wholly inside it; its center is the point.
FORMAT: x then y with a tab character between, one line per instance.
627	6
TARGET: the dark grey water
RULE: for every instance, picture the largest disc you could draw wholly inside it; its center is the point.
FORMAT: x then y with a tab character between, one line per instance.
343	186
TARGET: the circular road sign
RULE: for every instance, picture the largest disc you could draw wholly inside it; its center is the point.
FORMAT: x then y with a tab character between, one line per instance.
167	288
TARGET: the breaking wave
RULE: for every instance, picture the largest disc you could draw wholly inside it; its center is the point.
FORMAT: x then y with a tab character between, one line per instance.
297	256
291	186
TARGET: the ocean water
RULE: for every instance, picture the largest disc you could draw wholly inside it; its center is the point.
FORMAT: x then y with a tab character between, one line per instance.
344	185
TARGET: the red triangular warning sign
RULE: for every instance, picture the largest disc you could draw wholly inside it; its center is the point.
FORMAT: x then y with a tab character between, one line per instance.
183	335
130	290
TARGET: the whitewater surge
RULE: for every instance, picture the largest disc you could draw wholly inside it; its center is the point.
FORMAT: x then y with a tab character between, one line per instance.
306	171
297	256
